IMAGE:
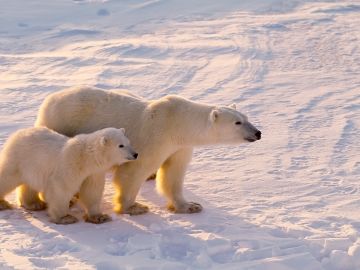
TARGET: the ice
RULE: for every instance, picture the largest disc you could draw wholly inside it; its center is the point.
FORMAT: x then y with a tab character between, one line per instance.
339	259
337	243
354	253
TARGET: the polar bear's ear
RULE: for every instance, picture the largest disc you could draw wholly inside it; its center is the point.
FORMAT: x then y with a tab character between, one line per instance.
103	140
214	114
122	130
233	106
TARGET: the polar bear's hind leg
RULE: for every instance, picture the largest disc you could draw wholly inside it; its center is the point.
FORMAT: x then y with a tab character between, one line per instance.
8	182
29	199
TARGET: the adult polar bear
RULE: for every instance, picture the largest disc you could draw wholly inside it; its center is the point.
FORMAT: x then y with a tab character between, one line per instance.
163	131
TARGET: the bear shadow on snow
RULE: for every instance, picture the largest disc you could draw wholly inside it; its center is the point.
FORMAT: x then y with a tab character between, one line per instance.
177	237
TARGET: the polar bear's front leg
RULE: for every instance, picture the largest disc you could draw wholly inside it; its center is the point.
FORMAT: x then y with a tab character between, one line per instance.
91	192
127	180
58	204
170	180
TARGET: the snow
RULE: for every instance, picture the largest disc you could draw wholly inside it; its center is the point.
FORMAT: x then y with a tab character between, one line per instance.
289	201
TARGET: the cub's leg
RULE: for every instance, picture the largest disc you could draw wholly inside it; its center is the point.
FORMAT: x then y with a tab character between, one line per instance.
29	198
8	182
91	192
170	179
58	203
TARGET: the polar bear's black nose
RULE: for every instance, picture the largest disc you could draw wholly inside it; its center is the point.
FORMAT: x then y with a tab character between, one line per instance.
135	155
258	135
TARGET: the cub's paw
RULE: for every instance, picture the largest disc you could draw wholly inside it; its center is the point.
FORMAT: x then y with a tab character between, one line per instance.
35	206
73	201
151	177
186	208
137	209
68	219
97	219
4	205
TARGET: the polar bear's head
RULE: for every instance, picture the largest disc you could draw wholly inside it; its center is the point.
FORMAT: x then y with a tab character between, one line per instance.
231	126
116	147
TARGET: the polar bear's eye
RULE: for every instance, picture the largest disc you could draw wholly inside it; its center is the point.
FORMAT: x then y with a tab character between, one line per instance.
238	123
121	146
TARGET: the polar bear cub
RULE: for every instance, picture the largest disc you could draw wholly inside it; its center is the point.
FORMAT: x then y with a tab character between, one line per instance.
56	165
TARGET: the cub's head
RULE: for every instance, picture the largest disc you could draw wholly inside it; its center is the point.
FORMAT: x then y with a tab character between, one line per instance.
231	126
116	146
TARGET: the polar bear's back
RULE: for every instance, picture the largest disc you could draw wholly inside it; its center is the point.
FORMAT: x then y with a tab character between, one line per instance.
72	111
33	140
33	152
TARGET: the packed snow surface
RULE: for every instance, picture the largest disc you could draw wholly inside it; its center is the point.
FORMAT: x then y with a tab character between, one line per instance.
289	201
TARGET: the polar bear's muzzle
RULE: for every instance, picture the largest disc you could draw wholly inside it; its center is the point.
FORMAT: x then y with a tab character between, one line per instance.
255	137
133	156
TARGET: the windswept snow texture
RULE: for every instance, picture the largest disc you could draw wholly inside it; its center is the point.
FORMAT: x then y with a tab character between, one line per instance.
289	201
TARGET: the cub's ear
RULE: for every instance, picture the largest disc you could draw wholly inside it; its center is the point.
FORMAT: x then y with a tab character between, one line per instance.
233	106
122	130
214	114
103	140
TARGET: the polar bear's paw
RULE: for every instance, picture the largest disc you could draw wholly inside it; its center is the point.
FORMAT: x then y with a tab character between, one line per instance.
35	206
68	219
151	177
186	208
74	200
97	219
137	209
4	205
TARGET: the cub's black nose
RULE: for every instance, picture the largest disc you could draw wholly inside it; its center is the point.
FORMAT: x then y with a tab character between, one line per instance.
258	135
135	155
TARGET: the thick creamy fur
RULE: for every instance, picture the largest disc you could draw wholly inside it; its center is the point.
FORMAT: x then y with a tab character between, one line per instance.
164	131
56	166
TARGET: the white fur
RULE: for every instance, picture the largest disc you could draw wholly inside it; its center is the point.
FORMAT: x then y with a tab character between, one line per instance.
56	165
164	131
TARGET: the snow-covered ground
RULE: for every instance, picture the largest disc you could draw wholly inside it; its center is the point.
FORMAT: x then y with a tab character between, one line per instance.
289	201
